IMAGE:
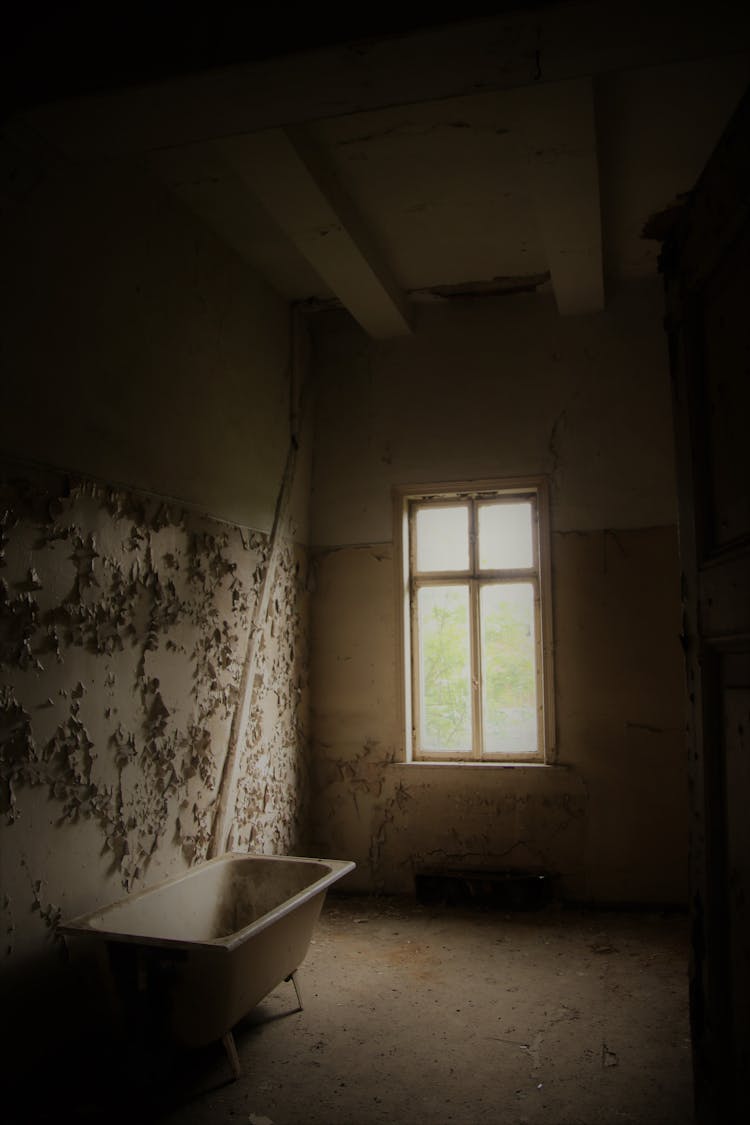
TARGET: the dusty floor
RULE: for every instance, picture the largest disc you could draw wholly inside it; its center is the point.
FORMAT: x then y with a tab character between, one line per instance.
447	1016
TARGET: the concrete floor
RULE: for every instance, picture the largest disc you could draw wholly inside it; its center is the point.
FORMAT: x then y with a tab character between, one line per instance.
447	1016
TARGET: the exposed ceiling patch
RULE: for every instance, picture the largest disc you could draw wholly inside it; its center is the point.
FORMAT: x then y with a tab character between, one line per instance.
493	287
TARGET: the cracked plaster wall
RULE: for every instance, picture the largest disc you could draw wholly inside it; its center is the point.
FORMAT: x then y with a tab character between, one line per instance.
136	349
485	389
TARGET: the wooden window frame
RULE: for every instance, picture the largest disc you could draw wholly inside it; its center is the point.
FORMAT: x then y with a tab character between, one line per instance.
408	499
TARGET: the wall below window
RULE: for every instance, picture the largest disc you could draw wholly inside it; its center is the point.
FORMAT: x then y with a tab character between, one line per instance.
486	389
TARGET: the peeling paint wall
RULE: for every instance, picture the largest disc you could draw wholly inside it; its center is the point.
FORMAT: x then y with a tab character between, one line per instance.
123	623
486	389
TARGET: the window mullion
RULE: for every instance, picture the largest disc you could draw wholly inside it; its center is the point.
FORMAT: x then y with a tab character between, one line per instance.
477	742
416	715
473	538
476	669
540	668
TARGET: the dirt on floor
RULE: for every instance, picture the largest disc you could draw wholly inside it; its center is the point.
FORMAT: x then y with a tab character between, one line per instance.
447	1016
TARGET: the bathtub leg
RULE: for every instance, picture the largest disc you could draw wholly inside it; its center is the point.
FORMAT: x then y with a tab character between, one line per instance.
231	1049
295	981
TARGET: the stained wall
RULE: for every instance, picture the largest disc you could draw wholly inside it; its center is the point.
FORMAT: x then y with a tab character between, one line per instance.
144	432
488	388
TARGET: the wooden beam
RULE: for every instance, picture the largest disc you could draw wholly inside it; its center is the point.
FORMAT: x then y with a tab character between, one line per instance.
213	190
290	178
564	183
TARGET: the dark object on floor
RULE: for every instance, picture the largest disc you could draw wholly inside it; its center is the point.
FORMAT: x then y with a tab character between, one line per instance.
489	890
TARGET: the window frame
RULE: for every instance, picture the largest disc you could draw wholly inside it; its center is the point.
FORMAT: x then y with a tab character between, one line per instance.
408	499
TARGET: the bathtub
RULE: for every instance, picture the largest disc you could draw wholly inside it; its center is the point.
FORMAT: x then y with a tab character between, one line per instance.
195	953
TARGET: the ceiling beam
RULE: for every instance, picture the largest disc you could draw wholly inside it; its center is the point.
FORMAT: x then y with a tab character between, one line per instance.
204	181
521	47
563	174
291	180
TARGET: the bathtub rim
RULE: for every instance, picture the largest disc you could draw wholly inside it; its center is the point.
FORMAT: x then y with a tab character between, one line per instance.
81	926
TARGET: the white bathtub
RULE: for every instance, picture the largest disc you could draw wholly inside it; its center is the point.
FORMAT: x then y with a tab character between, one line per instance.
197	952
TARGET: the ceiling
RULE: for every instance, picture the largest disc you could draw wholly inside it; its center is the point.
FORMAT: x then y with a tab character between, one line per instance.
50	50
522	151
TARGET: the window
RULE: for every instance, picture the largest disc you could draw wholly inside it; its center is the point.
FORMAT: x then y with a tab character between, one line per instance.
475	610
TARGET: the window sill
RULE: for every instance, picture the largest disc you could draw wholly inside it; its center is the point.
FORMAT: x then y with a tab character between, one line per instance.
482	765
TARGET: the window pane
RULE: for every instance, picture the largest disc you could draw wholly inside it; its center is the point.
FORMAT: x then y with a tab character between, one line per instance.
508	649
505	536
443	538
444	668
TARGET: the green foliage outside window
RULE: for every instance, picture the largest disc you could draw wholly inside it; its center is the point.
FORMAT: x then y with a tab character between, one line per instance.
508	669
444	630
